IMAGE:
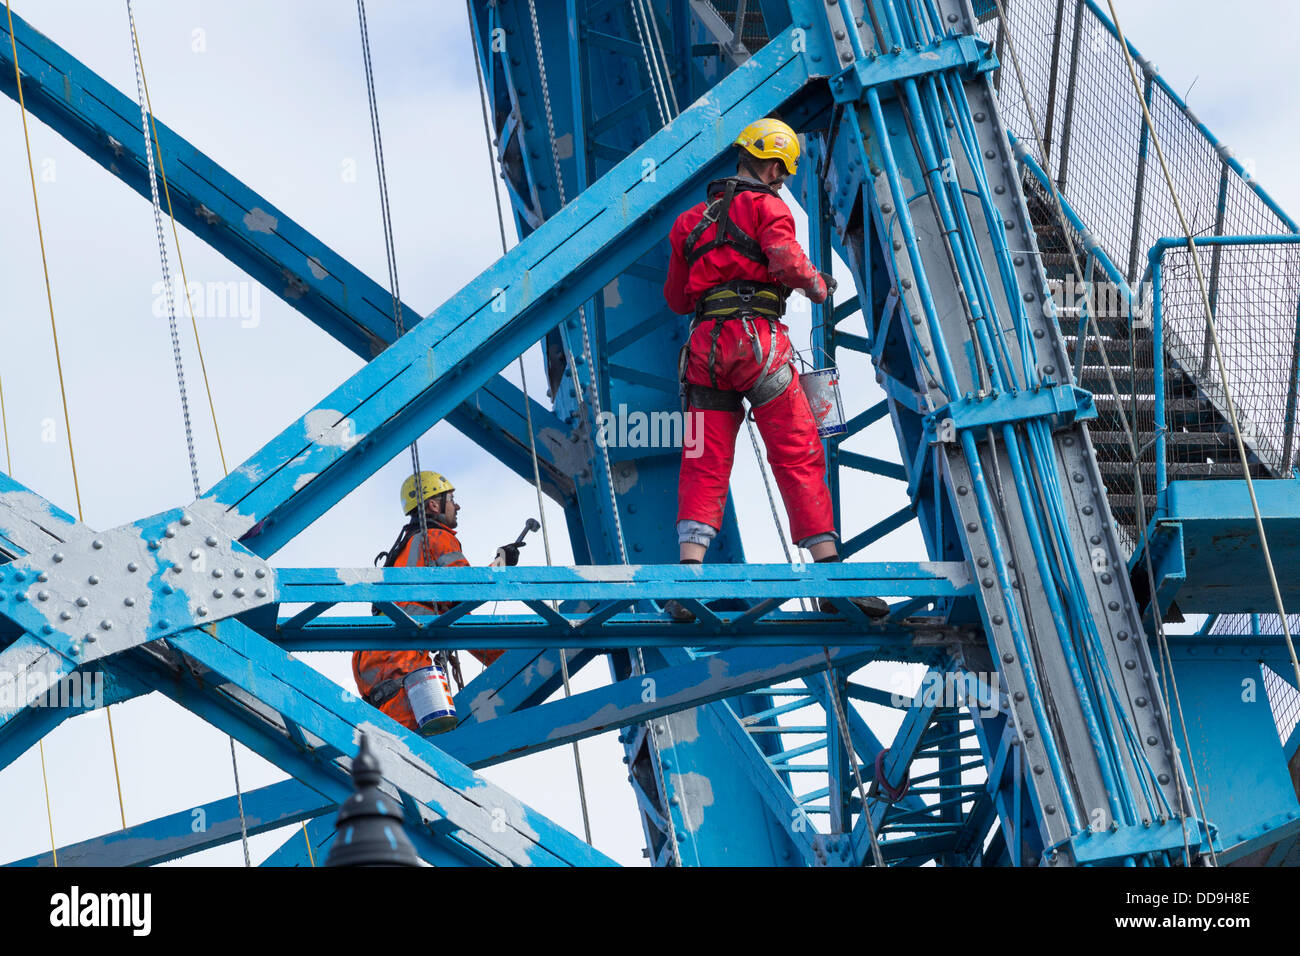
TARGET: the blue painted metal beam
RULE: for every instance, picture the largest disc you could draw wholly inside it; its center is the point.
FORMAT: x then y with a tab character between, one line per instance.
256	236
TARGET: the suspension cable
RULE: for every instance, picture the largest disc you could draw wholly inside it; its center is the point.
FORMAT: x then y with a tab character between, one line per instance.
58	361
1059	209
1211	327
150	131
528	408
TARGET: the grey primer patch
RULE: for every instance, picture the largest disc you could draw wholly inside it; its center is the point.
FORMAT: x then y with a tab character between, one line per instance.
695	793
571	457
317	270
625	476
685	726
564	146
259	220
612	297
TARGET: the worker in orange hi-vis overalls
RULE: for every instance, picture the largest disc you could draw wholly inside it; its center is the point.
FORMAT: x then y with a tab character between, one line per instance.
379	674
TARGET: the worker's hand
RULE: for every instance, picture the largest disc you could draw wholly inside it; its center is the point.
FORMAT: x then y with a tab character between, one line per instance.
831	284
818	292
508	554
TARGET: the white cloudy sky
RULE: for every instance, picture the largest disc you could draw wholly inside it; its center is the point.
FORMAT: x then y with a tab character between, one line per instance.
277	98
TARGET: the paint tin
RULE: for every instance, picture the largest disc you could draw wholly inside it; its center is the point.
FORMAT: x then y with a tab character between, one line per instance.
822	387
430	696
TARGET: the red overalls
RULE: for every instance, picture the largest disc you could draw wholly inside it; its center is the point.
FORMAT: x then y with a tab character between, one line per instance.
379	674
786	423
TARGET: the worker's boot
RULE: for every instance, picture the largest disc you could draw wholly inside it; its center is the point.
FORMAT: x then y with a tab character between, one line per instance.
872	607
678	611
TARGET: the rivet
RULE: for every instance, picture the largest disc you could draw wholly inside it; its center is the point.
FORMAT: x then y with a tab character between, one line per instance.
82	602
952	18
260	573
1009	224
1020	696
1087	509
164	624
260	592
1008	658
1130	665
58	557
1105	577
1019	260
997	618
990	154
154	546
97	544
238	592
1029	297
129	601
1095	539
1049	369
210	541
170	533
1038	333
42	577
65	615
1141	701
1163	778
1067	441
20	576
1038	768
1050	808
962	489
1029	733
972	526
168	589
218	573
177	569
194	554
887	208
239	572
987	582
132	566
1113	605
1151	740
186	520
47	629
20	596
201	611
42	595
93	579
106	624
983	562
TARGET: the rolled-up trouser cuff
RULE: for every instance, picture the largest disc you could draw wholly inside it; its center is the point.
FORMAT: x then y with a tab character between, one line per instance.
695	532
811	540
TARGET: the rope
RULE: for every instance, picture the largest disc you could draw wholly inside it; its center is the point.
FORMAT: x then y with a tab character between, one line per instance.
664	80
582	311
650	71
58	358
1211	326
150	130
9	469
1139	491
528	414
841	721
311	857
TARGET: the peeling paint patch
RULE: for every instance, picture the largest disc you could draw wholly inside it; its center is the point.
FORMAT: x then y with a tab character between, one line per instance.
606	572
302	480
317	270
571	457
625	476
258	219
695	792
564	146
485	705
612	297
324	427
685	726
360	575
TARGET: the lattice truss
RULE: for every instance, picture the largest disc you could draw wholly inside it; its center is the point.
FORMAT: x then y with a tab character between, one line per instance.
1031	727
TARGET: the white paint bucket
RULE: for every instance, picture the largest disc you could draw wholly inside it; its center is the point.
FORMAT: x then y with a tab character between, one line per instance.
822	387
430	696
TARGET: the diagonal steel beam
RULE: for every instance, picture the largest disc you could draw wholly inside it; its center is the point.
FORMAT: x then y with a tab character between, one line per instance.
253	234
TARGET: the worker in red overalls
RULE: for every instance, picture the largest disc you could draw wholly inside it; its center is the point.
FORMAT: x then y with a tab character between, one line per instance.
379	674
735	260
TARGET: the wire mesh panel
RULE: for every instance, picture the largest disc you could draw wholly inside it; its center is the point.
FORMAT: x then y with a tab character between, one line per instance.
1082	96
1254	291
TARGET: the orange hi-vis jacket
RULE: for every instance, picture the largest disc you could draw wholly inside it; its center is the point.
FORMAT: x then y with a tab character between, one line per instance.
379	674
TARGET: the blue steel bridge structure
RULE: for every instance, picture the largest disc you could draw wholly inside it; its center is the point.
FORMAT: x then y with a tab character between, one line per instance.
1077	470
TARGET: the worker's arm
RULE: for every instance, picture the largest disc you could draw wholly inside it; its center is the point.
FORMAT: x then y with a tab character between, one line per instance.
675	286
786	260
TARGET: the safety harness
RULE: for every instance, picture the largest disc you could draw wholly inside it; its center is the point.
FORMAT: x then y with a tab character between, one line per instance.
741	299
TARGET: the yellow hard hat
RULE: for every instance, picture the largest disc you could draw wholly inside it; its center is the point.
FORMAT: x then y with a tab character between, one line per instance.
771	139
432	484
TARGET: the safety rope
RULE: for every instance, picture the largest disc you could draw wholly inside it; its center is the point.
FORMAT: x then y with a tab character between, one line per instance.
665	79
1212	328
528	411
651	71
1059	209
150	131
58	361
582	310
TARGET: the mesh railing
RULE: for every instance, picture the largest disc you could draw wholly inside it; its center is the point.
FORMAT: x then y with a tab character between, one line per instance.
1083	99
1254	291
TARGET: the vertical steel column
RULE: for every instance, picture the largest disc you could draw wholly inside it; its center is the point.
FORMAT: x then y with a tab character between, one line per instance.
1143	140
1051	84
1071	88
1216	257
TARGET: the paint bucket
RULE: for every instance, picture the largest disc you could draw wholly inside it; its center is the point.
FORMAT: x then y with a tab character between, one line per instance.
822	387
430	696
